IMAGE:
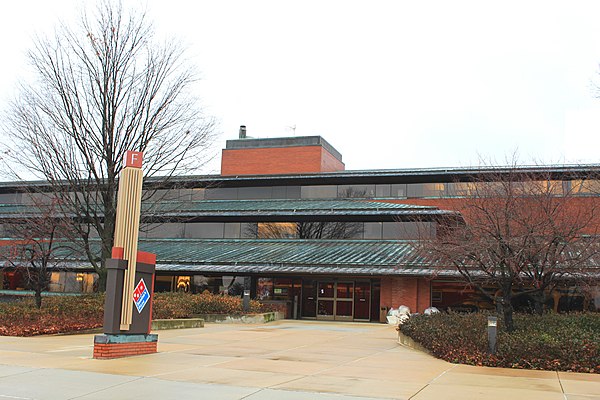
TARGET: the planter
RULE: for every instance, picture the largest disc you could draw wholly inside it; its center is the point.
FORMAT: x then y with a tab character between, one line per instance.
243	318
180	323
407	341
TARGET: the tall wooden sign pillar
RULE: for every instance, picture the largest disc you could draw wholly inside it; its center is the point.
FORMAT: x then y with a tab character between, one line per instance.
130	276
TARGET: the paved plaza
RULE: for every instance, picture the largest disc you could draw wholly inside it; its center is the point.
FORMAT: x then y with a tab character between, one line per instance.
280	360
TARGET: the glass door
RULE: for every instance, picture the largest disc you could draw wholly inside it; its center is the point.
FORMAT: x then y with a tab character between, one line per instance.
362	301
326	300
344	300
335	300
309	299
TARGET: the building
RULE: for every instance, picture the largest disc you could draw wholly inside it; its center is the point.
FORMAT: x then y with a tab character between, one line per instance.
287	221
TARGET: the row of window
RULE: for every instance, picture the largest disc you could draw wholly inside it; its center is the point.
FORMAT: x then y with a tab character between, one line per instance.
400	191
287	230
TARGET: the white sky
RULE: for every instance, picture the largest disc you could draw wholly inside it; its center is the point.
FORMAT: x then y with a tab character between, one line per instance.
390	84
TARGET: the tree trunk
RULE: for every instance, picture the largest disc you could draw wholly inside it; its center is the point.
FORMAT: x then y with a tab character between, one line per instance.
38	297
504	307
539	300
508	318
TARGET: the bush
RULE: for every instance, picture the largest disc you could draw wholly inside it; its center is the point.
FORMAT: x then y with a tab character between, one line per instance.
63	314
171	305
552	341
59	314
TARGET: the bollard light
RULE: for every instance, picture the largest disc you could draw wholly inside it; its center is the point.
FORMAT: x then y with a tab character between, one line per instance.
246	301
492	326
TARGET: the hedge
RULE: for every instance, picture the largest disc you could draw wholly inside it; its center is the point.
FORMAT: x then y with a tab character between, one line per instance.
65	314
58	314
182	305
569	342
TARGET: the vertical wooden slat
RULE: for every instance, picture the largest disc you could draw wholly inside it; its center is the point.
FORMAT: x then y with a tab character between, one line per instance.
126	234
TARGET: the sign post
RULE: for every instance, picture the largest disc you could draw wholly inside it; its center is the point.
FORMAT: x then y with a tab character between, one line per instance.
130	276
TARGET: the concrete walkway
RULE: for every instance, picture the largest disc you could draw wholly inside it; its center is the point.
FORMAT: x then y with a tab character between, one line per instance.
280	360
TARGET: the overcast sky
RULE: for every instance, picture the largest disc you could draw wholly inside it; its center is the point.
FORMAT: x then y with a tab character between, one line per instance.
390	84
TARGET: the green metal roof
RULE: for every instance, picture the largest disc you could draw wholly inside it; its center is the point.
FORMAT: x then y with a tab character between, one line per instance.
284	205
346	257
280	210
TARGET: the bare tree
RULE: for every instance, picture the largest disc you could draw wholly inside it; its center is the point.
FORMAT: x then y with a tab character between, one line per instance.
524	235
39	247
104	87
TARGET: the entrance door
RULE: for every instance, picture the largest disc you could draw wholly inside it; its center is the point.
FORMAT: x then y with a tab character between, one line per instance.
362	301
326	300
309	299
335	300
344	301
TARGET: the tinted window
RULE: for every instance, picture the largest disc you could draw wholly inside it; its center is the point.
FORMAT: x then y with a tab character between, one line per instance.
249	193
383	191
221	194
204	230
373	230
162	231
319	192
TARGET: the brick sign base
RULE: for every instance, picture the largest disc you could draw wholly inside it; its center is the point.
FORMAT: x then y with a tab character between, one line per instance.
117	346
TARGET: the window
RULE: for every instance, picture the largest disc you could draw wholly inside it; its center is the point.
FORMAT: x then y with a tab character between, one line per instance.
319	192
356	191
259	192
383	191
426	190
221	194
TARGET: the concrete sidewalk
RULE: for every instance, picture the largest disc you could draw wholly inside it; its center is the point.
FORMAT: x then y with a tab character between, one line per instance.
279	360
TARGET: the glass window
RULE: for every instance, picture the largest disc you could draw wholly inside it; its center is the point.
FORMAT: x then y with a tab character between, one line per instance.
277	230
198	194
264	289
326	289
319	192
278	192
162	231
460	189
164	195
10	198
398	190
221	194
233	285
407	230
250	193
248	230
232	230
585	187
373	230
426	189
204	230
163	283
282	288
383	191
293	192
345	290
356	191
201	283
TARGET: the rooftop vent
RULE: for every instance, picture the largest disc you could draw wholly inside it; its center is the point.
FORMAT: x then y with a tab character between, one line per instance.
242	131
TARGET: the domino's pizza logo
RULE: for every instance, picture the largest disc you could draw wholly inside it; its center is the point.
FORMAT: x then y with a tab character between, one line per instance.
141	296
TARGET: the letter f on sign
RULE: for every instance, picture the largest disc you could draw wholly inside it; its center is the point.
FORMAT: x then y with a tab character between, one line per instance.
133	159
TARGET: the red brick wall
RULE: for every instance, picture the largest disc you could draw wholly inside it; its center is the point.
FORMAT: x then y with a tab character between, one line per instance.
408	291
118	350
329	163
278	160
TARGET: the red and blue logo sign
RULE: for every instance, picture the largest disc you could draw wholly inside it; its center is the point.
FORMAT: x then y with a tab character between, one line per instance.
141	296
